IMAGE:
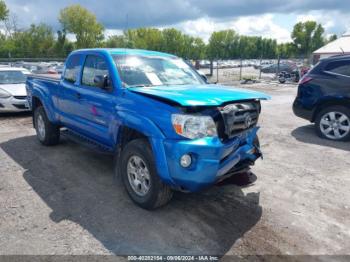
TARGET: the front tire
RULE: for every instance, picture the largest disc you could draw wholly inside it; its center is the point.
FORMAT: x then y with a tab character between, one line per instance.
282	80
140	178
47	133
334	123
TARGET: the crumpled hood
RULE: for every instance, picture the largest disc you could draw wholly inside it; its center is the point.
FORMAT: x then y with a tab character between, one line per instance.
15	89
200	95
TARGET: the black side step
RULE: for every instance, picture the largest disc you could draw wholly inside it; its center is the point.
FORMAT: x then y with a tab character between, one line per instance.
86	142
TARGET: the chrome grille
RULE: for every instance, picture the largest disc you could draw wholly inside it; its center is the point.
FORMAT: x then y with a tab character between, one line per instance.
239	117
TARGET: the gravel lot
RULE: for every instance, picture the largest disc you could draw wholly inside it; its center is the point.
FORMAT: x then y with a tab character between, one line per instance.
63	200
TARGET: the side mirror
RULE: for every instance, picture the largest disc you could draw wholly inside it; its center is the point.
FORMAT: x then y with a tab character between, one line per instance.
203	76
102	81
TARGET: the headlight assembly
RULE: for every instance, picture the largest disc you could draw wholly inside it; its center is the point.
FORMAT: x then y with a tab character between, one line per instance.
4	94
192	126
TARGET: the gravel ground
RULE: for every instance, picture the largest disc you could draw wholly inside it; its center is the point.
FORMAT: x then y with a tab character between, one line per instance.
63	200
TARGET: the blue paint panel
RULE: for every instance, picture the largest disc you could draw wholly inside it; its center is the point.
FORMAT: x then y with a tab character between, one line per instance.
98	115
200	95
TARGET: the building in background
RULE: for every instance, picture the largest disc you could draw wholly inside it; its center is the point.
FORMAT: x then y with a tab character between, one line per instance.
336	47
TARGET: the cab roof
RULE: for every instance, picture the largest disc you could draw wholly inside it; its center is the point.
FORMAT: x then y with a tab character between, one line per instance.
122	51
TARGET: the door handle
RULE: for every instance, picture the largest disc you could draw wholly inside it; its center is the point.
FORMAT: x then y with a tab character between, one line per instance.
78	95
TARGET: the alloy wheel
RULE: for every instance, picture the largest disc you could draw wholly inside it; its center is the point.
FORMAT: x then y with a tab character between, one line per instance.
335	125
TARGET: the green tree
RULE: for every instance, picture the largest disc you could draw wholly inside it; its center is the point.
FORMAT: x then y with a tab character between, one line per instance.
116	41
4	12
307	37
332	38
223	45
37	41
62	46
286	50
83	24
195	48
172	41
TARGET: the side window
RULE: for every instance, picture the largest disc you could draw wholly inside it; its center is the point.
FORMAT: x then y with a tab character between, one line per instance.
72	69
339	67
94	66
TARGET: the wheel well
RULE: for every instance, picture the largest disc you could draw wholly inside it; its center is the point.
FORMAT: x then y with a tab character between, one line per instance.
323	105
127	134
36	102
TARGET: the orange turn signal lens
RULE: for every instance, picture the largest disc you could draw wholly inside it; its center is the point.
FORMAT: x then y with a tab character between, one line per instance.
178	129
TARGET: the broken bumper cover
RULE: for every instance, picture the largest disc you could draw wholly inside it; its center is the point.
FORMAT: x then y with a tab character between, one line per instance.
212	160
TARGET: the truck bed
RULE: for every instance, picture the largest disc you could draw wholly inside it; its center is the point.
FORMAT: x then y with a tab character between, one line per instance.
48	77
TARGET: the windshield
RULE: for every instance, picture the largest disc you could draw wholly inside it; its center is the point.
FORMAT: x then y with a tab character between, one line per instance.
137	70
12	77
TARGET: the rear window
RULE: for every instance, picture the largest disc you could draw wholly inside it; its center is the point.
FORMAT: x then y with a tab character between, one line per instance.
72	69
339	67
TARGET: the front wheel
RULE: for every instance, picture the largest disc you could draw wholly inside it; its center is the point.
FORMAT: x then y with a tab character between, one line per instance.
334	123
47	133
140	177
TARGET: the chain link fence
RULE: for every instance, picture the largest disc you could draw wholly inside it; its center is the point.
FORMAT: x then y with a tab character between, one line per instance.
250	70
223	72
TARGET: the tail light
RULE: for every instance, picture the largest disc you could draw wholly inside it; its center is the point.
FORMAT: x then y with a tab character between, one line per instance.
305	79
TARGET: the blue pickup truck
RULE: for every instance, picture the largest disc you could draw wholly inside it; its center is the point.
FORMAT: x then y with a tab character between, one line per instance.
166	126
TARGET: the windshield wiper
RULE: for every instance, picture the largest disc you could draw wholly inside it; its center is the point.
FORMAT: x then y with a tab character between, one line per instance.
135	86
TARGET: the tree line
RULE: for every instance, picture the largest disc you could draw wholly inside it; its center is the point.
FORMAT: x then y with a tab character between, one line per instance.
39	41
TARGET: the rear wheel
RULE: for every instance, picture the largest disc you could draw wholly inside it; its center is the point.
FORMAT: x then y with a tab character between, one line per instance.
47	133
140	177
334	123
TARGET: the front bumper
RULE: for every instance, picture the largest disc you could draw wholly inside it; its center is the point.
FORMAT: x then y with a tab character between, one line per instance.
212	160
13	104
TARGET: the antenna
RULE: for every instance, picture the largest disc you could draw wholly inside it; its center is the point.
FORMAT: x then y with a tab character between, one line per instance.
342	50
125	46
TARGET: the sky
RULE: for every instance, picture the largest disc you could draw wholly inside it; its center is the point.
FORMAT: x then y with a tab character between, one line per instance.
267	18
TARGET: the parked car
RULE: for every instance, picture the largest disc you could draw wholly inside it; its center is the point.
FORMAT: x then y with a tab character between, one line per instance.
168	129
293	77
59	69
41	69
273	68
13	95
324	98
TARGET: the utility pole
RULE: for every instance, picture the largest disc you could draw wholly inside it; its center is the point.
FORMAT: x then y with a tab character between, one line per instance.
217	71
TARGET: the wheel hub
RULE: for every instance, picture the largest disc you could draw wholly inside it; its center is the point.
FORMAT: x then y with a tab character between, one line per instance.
138	175
335	125
41	126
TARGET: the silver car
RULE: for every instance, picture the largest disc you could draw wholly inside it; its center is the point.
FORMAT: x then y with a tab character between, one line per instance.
13	94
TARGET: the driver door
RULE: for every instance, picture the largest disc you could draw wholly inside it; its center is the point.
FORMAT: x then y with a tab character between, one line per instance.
96	103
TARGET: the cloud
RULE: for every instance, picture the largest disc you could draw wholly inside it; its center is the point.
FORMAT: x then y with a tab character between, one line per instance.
113	13
334	22
260	25
196	17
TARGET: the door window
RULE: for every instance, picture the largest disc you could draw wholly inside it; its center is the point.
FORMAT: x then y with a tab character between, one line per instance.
72	69
339	67
94	66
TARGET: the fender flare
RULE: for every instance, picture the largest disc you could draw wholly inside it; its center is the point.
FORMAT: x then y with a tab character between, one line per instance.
155	136
44	99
